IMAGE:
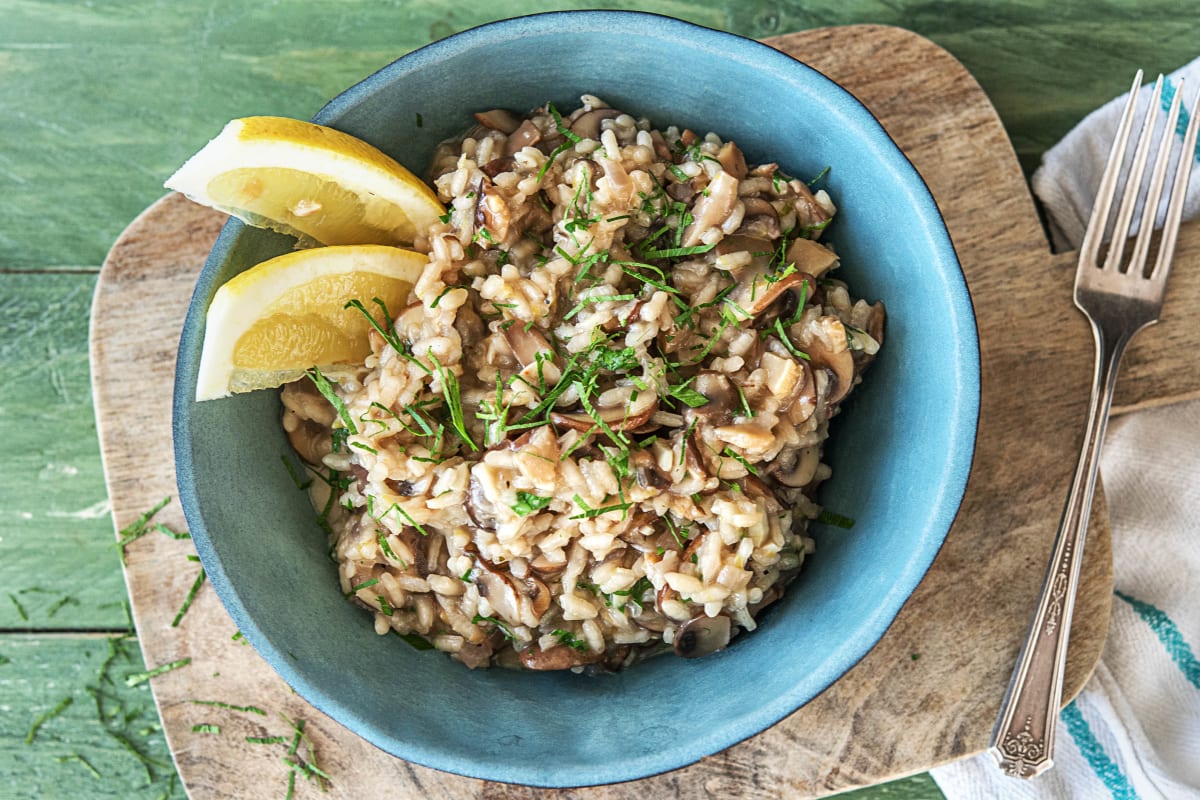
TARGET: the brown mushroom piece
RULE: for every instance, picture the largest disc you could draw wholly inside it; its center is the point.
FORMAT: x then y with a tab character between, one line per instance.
795	467
811	213
811	257
783	298
874	329
757	290
538	595
478	507
497	586
732	160
701	636
587	124
647	471
716	388
499	119
527	135
558	657
624	416
713	208
840	366
492	212
498	165
760	220
760	251
526	344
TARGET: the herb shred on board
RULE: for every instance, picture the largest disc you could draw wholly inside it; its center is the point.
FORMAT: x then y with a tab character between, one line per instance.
595	431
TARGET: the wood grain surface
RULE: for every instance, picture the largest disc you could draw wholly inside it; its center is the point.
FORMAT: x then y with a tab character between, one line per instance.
927	694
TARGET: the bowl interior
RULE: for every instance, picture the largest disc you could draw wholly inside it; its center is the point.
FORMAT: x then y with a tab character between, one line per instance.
899	468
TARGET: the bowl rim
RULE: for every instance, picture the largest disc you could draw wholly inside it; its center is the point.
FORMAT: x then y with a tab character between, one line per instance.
680	755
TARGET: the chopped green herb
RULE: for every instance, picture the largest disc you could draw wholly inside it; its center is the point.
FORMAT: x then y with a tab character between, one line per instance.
450	390
266	739
294	475
637	591
527	503
206	728
500	624
219	704
827	517
786	341
381	539
570	640
677	252
384	606
20	608
687	395
86	764
416	641
65	600
139	678
187	601
46	717
364	585
326	389
589	512
819	175
420	120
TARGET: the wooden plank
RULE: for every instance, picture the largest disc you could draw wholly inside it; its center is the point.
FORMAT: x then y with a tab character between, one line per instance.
57	560
77	753
83	157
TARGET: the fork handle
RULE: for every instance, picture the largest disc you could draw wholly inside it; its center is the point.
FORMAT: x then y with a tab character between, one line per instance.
1023	740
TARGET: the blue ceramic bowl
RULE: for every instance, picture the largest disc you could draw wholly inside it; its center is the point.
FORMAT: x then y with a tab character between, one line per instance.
901	450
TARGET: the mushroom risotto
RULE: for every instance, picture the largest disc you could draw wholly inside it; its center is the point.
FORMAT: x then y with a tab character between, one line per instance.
595	433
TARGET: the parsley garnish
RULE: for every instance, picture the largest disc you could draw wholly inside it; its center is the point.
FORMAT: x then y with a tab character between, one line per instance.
570	640
527	503
827	517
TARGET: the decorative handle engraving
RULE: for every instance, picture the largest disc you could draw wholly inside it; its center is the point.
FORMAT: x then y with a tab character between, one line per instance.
1023	740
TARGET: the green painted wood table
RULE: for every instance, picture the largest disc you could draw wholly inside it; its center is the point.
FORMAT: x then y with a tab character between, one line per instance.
100	102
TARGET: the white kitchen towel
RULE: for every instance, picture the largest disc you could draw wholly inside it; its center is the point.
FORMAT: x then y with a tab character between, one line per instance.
1134	732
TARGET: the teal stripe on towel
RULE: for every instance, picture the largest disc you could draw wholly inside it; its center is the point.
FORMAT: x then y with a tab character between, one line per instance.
1168	94
1105	768
1167	633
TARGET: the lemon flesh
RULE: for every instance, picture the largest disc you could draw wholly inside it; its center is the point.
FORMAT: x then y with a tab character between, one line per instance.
318	184
269	324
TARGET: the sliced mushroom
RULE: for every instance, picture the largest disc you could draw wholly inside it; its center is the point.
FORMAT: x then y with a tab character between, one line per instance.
560	656
499	119
732	161
479	507
701	636
799	289
620	415
527	135
840	365
661	148
716	388
499	165
811	257
760	219
874	329
469	326
527	344
811	213
587	124
492	212
497	586
538	596
757	290
649	476
712	209
795	467
760	251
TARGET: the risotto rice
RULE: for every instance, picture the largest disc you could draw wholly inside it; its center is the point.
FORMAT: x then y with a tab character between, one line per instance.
595	433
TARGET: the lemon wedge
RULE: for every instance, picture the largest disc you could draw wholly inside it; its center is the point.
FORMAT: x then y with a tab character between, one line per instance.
269	324
318	184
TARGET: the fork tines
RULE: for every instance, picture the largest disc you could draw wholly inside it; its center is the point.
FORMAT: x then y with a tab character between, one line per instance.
1138	207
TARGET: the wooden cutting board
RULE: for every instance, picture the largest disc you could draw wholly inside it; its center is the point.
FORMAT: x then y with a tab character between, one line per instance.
927	694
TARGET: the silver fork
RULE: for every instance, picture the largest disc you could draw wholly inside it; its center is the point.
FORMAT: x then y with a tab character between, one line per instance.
1119	298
